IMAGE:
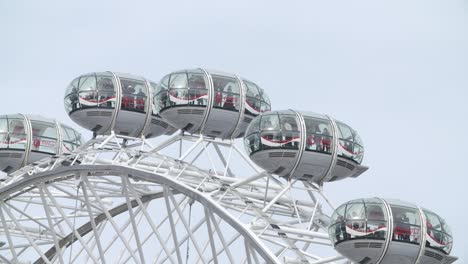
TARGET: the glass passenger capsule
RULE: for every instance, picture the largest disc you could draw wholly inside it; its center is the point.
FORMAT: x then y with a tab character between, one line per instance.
210	103
106	101
390	231
26	138
305	146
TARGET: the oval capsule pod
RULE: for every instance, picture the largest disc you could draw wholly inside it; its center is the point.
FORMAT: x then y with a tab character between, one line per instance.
27	138
210	103
305	146
390	231
106	101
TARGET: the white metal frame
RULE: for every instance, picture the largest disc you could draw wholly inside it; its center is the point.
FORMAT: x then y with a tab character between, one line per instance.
117	195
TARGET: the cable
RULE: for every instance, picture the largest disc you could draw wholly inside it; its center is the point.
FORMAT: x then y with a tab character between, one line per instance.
188	240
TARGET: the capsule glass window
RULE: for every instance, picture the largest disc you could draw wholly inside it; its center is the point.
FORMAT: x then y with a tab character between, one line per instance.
375	212
290	135
178	88
406	224
349	147
266	105
338	214
318	135
198	92
71	139
133	95
436	235
227	92
17	133
254	126
161	97
253	99
154	89
71	96
106	90
355	220
337	228
44	136
3	133
270	122
376	225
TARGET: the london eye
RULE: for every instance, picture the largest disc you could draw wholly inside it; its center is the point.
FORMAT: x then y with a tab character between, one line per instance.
231	181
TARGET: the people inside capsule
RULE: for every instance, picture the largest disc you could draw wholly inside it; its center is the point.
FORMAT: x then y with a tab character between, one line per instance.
24	145
275	141
105	101
210	102
368	220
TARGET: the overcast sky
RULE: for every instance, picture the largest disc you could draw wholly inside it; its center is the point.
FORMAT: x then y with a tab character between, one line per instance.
396	71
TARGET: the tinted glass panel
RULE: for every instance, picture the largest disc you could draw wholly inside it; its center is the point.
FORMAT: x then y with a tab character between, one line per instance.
252	143
161	99
44	137
254	126
338	214
433	221
72	87
318	134
178	80
289	123
271	139
197	93
226	92
345	132
253	100
17	138
270	122
3	133
133	95
406	224
355	211
376	229
375	212
154	91
178	89
3	125
87	83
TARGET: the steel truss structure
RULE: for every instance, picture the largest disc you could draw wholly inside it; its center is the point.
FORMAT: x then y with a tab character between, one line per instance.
121	200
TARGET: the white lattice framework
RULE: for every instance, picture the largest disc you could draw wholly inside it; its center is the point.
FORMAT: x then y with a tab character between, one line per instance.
120	200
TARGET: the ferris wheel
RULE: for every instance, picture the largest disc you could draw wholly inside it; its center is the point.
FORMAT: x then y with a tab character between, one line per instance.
202	195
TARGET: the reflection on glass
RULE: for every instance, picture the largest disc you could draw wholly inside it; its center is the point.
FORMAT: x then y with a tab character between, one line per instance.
289	123
178	89
197	93
133	95
17	134
318	135
266	105
252	143
357	220
406	224
71	139
227	92
91	91
270	122
350	144
438	234
44	137
253	100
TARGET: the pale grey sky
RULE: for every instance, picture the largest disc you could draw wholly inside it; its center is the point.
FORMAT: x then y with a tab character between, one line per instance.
396	71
